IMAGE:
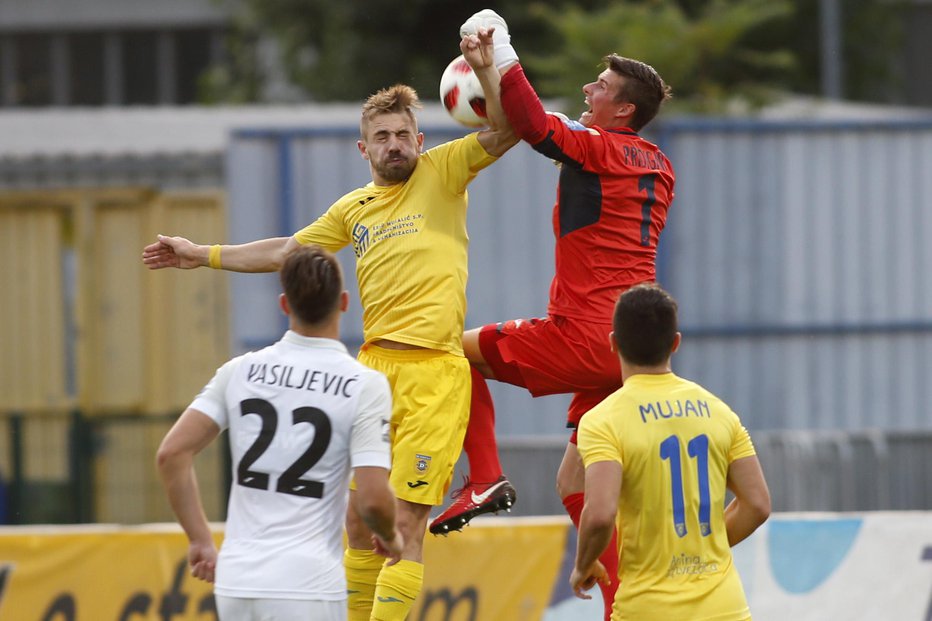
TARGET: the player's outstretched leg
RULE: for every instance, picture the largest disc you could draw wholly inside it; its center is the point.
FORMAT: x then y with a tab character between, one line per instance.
486	489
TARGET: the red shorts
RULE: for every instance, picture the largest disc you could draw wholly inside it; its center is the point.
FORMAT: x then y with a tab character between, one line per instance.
554	355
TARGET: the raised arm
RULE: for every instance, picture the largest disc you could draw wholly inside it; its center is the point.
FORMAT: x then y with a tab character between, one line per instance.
264	255
477	48
515	96
751	505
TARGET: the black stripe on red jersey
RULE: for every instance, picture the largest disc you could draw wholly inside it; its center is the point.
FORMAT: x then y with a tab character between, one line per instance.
580	199
551	149
580	191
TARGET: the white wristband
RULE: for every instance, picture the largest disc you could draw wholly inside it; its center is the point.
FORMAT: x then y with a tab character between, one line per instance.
503	55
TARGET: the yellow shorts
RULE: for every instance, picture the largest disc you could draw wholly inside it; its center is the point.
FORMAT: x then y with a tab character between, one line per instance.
431	391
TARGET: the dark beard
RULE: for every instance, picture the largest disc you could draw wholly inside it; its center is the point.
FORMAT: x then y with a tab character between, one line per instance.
396	174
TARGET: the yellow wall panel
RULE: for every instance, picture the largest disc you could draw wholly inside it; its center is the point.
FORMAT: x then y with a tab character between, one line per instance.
32	306
131	340
119	352
188	310
109	341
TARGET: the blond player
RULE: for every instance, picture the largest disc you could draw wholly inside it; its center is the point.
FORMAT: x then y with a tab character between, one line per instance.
659	455
408	231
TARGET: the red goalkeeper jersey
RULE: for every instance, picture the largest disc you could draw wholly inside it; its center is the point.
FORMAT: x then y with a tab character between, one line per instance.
612	200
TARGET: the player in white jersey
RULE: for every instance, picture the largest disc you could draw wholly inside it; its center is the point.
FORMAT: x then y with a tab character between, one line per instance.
303	416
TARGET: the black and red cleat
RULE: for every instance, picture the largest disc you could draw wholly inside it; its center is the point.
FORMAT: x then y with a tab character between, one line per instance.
474	499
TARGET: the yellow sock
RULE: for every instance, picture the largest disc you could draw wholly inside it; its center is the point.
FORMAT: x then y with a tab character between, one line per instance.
397	588
362	571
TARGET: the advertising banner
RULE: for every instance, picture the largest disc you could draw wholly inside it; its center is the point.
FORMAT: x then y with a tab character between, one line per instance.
805	567
104	573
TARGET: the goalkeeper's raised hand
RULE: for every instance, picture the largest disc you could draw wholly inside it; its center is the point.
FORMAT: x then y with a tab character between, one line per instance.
504	54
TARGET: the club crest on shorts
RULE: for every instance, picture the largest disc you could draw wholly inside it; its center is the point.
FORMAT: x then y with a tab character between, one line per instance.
421	463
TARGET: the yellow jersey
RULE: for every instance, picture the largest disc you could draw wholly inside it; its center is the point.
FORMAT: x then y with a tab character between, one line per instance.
674	441
411	247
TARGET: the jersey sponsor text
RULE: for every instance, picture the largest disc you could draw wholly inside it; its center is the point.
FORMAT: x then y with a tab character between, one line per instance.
691	565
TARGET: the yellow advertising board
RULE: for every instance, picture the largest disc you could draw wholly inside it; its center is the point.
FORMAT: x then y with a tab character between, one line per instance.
492	571
99	574
496	569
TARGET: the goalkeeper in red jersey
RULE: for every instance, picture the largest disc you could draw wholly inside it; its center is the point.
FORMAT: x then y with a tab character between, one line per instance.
614	192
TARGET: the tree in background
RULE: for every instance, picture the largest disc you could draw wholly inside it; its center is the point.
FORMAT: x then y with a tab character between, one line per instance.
708	58
717	54
344	51
871	46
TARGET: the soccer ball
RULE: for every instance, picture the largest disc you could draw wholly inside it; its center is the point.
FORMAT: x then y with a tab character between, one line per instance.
462	95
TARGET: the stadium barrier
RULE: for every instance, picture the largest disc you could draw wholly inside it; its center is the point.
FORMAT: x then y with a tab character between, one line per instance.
797	566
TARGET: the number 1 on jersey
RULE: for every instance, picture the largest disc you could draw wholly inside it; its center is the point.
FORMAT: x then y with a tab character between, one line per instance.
646	183
698	449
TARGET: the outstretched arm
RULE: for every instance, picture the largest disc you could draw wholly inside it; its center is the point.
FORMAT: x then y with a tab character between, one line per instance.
264	255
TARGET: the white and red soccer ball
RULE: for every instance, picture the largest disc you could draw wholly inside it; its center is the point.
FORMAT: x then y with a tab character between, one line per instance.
462	95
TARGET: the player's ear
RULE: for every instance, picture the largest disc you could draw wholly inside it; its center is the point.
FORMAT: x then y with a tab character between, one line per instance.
611	342
626	110
676	342
362	149
344	301
283	304
420	141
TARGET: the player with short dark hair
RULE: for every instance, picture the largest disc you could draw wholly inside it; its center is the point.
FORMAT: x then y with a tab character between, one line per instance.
659	455
302	416
614	191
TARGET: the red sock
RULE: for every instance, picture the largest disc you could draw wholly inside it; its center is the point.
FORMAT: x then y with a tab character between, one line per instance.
479	443
609	558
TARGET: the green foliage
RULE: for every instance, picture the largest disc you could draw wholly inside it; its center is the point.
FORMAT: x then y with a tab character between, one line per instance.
344	51
239	80
871	41
707	59
714	53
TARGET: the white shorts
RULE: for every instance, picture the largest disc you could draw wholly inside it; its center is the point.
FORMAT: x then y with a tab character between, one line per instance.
247	609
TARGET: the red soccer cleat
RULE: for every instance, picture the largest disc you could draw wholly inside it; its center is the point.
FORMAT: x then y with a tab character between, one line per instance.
474	499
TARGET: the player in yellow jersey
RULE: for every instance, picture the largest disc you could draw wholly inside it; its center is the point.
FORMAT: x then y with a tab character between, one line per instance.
408	231
659	454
